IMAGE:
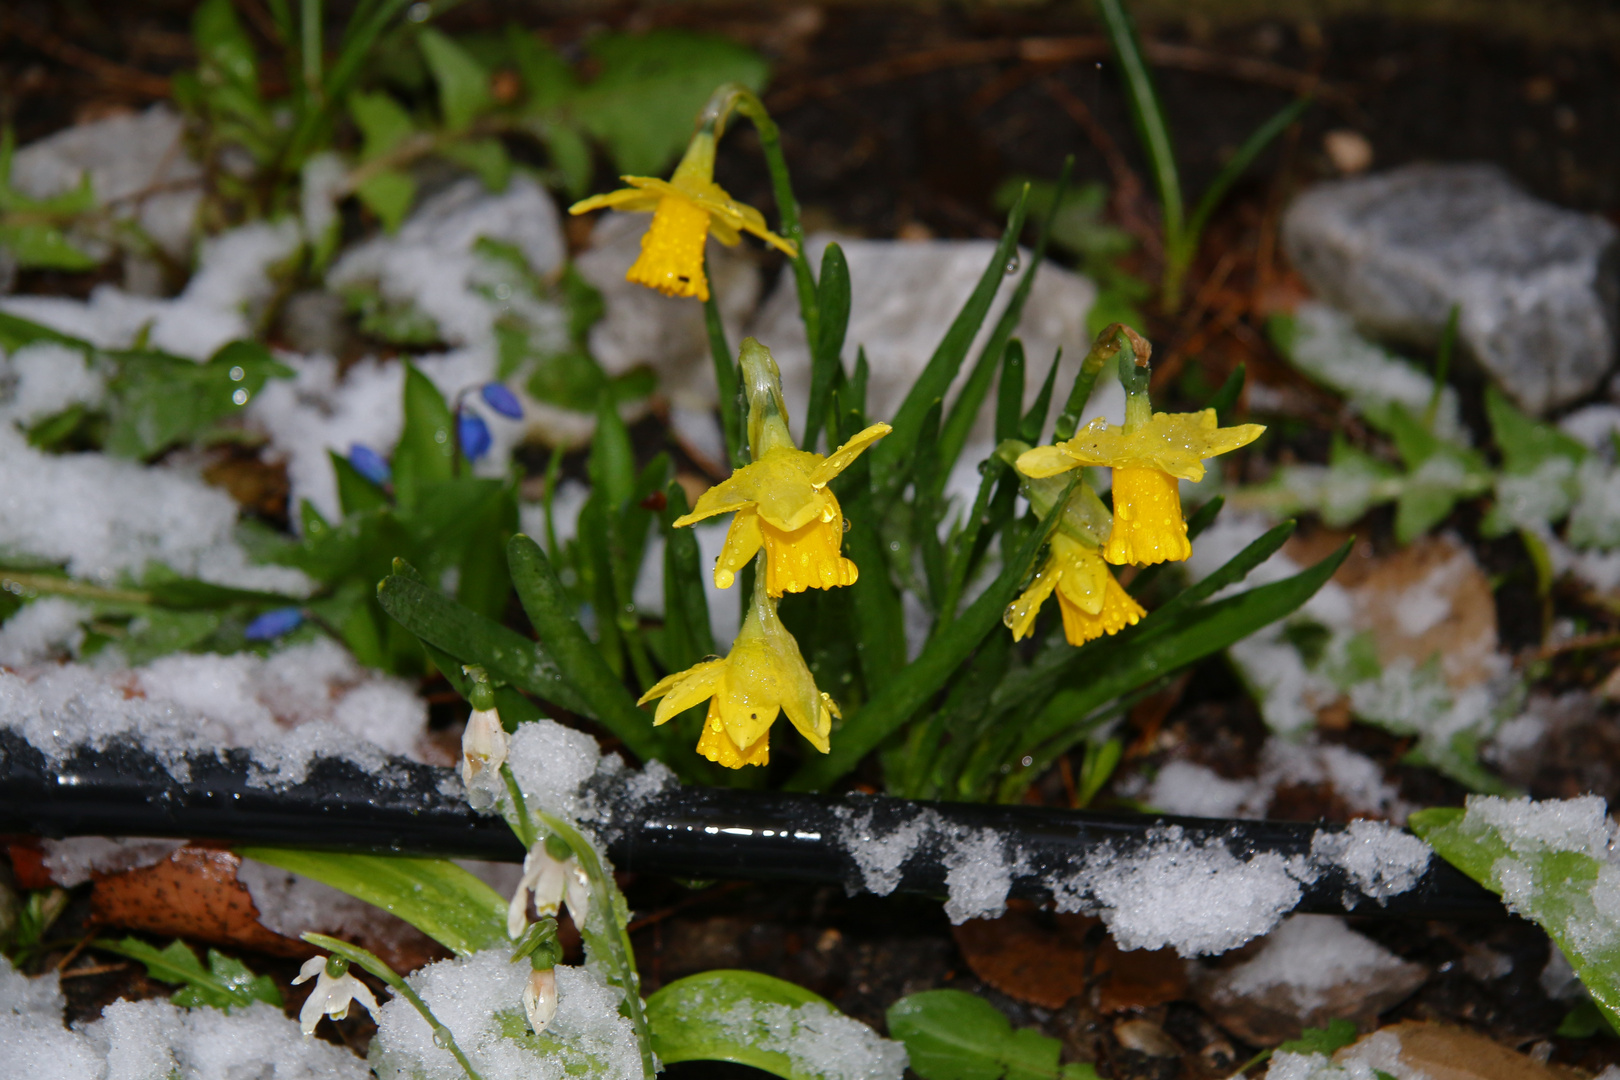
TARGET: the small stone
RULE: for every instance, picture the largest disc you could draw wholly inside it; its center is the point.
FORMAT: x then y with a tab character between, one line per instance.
1536	284
1349	151
314	322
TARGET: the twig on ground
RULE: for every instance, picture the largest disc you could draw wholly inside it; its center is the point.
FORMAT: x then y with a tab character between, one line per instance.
108	71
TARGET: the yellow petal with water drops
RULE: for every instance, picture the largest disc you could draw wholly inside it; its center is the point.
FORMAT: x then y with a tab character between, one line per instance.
783	492
808	557
671	258
1118	610
1045	461
1148	527
723	232
629	199
1020	614
743	540
751	694
695	684
719	748
733	493
1174	443
1085	574
845	455
805	706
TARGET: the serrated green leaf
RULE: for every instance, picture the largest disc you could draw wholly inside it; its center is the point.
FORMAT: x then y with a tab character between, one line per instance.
383	123
228	985
44	247
1325	1041
702	1018
651	85
954	1035
436	896
389	195
462	81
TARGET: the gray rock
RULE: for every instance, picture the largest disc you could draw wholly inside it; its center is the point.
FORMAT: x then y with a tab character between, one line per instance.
1537	285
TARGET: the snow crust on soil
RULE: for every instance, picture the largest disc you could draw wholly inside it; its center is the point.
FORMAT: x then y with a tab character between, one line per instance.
136	1040
306	700
1307	957
1379	1052
480	999
1184	787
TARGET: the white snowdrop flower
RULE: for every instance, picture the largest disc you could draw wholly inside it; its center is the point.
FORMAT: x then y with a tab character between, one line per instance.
333	992
540	998
483	744
548	878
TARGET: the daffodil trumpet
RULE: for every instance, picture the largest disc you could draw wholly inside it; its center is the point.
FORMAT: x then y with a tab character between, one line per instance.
1090	599
762	676
781	499
687	208
1148	454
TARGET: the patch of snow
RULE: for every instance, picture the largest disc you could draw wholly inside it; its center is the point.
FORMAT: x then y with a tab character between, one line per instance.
1380	859
106	519
1182	787
1307	957
75	860
1191	895
479	998
44	378
816	1039
979	874
881	854
42	630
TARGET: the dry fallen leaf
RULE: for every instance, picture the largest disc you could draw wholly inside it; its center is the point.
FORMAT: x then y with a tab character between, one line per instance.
1442	1052
1045	960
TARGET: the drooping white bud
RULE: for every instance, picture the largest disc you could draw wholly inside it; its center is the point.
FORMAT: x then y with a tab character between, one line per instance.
540	998
483	745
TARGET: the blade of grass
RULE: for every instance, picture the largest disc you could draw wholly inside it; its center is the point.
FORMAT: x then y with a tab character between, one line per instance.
726	380
897	700
833	298
890	456
1147	115
1252	147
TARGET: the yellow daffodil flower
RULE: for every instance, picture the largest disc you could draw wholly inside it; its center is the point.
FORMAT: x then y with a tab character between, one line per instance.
686	209
1091	600
1147	459
764	674
782	502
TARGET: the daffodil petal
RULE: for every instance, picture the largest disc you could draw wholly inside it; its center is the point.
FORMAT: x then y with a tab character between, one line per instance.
743	539
843	457
722	231
733	493
1020	614
697	683
623	199
1045	461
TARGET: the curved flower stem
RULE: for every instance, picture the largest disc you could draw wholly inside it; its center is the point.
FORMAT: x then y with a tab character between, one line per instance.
725	378
520	821
734	97
442	1036
612	946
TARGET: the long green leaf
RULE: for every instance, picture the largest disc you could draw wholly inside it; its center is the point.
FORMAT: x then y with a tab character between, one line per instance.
701	1018
427	446
1147	115
897	700
586	672
1239	162
436	896
472	639
890	455
1118	665
832	303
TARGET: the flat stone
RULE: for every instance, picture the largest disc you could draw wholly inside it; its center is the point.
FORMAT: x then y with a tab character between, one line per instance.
1537	285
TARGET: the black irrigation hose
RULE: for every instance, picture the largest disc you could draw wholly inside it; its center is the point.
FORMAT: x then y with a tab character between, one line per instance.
693	832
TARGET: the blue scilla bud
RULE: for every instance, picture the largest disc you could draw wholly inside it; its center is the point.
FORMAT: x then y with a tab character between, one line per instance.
499	397
475	438
273	624
370	464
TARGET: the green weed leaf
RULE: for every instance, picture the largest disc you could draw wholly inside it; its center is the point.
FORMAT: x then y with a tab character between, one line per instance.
463	83
225	984
954	1035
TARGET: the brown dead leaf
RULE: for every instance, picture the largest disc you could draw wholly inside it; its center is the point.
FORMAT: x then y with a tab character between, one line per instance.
1024	957
192	894
1429	599
195	894
1451	1053
1045	961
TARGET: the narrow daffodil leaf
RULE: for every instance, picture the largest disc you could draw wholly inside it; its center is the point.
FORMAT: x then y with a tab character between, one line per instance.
436	896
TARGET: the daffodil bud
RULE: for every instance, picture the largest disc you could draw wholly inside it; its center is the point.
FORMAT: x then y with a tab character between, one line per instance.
540	998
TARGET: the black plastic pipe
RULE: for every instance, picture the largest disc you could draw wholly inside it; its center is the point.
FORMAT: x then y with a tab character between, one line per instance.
409	809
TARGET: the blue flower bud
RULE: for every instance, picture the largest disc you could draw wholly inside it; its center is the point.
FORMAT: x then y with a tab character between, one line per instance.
474	433
273	624
500	398
370	464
